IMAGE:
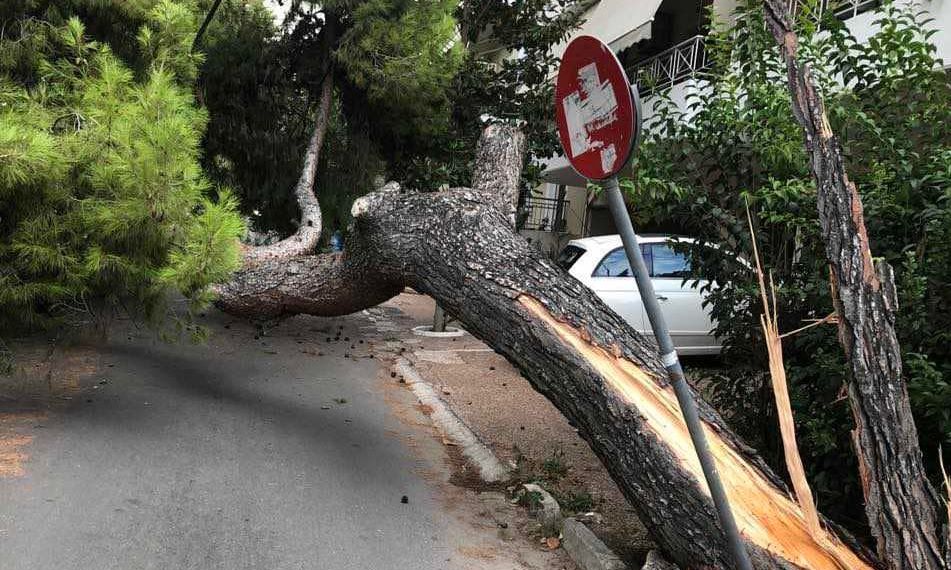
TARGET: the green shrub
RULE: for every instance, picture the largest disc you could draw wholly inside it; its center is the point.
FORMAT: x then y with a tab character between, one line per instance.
103	203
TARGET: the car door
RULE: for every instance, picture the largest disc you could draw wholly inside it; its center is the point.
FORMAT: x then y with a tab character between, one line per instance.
613	281
681	303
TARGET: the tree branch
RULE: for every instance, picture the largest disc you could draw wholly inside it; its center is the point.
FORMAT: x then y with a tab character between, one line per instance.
500	154
307	236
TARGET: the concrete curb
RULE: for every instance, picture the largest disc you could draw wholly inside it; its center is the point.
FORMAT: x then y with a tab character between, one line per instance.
587	551
490	468
582	546
547	511
427	330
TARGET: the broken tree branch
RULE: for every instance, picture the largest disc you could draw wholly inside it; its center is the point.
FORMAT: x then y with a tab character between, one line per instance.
307	236
769	321
900	502
498	169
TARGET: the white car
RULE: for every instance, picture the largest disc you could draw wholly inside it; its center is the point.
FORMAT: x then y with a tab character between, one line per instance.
601	264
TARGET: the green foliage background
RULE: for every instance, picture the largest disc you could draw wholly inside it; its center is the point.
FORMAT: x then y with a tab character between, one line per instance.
741	145
504	76
115	133
412	89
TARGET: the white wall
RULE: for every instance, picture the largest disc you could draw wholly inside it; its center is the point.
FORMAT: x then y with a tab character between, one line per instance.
863	26
723	10
679	95
941	11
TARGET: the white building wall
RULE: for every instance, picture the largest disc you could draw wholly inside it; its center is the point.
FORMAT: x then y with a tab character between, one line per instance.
940	10
679	94
863	26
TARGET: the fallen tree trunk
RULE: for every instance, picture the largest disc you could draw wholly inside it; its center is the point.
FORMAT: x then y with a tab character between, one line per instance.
458	247
899	500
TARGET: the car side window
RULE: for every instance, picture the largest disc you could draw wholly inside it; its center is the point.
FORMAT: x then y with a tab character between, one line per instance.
668	263
615	263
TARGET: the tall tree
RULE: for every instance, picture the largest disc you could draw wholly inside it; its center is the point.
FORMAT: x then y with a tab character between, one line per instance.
900	502
890	102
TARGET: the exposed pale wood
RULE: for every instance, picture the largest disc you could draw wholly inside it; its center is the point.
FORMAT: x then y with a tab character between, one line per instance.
769	321
765	515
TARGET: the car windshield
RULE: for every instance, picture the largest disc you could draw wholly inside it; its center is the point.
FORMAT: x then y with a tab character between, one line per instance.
569	256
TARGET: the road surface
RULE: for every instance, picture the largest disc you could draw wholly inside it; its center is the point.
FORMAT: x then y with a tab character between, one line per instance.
280	452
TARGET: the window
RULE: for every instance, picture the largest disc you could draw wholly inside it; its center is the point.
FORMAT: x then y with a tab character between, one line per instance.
667	262
615	263
661	261
569	256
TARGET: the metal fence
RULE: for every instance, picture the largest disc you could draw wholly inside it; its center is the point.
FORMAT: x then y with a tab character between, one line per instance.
843	9
669	66
546	214
690	56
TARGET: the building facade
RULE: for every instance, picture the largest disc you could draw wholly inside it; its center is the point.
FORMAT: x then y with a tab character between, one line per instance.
661	45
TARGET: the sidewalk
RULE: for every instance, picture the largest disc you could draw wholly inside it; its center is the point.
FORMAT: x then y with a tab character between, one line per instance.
520	426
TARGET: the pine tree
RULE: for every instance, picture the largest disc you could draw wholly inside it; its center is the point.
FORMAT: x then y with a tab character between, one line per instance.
103	203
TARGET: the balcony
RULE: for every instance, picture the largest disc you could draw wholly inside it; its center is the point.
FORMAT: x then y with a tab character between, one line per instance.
842	9
546	214
689	57
670	66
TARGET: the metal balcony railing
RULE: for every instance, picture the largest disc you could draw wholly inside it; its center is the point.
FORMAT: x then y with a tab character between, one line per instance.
546	214
685	59
669	66
843	9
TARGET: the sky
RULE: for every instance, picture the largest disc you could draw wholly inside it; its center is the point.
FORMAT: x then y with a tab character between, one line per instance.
279	11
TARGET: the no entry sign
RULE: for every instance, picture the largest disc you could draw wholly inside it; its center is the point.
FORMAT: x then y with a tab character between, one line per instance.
594	106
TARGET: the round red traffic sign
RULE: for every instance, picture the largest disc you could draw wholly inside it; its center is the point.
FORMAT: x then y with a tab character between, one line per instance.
595	109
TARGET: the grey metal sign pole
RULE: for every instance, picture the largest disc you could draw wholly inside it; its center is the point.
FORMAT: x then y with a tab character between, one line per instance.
669	357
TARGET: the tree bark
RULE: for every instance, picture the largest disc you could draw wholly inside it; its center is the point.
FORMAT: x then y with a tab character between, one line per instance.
307	236
900	501
498	170
606	379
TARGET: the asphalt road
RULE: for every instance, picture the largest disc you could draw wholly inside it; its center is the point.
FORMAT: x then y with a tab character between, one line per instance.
240	453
